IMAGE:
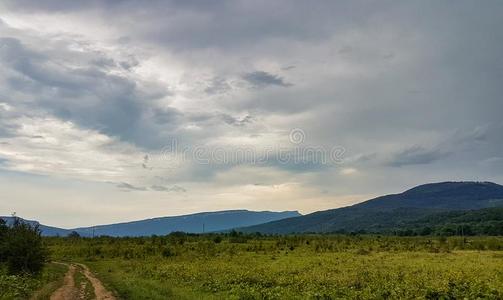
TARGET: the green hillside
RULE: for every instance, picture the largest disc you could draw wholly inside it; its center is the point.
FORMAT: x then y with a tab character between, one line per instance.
397	212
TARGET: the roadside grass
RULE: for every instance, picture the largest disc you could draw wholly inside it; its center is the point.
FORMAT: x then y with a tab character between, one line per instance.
36	287
84	286
129	285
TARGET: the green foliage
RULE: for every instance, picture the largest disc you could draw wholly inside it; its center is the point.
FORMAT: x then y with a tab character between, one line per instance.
22	256
167	252
477	204
16	287
22	248
85	286
23	286
487	221
3	237
292	267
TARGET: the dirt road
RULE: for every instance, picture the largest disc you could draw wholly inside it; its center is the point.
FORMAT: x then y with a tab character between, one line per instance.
69	291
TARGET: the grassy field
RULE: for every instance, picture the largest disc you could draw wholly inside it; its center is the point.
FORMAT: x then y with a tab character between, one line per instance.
295	267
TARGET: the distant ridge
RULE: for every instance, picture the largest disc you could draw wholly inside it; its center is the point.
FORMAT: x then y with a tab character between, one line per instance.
46	230
392	211
432	204
193	223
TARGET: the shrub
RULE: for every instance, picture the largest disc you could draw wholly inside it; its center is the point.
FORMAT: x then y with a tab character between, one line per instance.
3	236
23	249
167	252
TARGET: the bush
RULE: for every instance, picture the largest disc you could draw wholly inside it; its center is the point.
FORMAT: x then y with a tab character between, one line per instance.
23	250
3	236
167	252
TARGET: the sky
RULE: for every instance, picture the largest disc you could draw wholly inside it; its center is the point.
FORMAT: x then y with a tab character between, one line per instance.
122	110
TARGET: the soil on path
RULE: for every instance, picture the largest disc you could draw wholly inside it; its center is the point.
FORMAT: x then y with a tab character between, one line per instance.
68	291
100	291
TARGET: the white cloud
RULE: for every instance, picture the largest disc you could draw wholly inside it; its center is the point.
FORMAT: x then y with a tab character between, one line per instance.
53	147
349	171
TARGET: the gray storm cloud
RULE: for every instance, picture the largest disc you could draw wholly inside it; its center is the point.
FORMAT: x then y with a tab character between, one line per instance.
411	90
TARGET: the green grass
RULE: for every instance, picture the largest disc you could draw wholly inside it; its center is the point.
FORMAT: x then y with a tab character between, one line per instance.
302	275
84	286
296	267
37	287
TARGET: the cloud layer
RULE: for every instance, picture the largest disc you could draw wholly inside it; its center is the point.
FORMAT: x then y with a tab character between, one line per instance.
97	93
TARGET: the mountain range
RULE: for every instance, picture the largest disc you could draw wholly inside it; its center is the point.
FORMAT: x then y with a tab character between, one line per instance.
436	207
193	223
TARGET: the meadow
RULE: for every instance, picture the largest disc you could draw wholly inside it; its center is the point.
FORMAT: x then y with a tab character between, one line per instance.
235	266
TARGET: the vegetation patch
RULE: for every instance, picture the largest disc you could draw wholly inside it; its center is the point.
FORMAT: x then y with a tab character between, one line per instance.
236	266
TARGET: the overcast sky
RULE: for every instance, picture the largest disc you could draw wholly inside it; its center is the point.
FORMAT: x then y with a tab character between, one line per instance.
122	110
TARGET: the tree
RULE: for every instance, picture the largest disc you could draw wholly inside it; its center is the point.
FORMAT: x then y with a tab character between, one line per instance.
74	235
24	251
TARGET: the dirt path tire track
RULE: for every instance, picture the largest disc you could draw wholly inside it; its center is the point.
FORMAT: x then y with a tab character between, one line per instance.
68	291
100	292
